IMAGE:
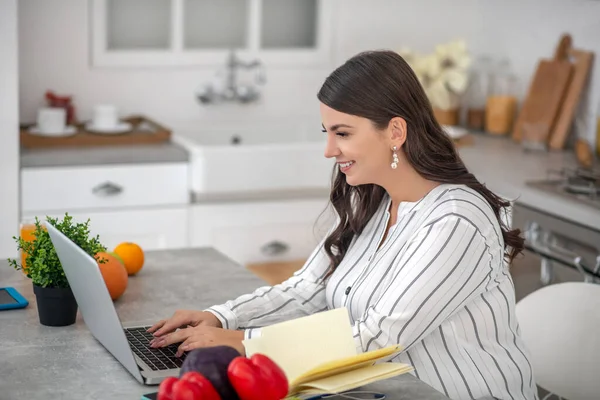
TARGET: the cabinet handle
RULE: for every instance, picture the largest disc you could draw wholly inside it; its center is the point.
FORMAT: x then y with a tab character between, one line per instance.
107	189
274	248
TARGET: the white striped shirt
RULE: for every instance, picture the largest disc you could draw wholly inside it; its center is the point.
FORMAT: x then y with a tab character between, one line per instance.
438	285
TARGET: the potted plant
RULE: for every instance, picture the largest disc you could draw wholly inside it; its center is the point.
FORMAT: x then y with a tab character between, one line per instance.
55	301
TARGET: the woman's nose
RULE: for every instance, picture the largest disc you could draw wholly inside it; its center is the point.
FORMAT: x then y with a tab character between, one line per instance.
331	149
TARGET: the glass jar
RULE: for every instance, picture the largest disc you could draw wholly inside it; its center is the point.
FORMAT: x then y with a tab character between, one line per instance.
479	88
501	104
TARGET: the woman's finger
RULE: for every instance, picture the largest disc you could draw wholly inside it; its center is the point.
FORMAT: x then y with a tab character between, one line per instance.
176	337
184	345
157	325
170	325
193	343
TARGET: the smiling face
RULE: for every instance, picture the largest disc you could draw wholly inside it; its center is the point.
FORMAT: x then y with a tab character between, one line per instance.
361	151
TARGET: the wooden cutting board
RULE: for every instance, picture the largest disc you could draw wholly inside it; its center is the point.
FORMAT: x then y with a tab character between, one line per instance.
583	61
546	94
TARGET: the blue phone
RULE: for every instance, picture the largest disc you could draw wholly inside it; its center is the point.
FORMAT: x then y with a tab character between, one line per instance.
10	299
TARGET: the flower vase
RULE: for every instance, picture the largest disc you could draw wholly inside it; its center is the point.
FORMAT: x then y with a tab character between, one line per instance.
446	117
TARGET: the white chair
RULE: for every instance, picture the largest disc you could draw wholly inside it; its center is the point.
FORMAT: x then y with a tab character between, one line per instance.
560	325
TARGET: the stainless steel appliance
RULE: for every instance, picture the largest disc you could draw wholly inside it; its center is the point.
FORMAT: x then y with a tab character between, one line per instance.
577	184
559	241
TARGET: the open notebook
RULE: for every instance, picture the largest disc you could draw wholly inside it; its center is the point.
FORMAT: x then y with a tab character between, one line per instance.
318	354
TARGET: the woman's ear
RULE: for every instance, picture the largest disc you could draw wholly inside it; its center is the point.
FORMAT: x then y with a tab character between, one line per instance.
397	128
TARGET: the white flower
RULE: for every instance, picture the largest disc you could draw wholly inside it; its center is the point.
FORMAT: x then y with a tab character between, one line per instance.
456	80
453	55
439	95
443	73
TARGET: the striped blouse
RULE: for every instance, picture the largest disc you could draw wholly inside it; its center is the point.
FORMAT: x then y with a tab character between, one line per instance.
438	286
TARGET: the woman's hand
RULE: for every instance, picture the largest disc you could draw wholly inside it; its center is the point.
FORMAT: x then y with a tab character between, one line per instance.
182	319
202	336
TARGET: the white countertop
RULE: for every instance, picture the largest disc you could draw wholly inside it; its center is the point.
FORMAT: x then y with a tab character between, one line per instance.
504	167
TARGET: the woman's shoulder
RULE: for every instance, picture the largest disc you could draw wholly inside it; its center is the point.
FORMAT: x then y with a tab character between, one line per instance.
461	201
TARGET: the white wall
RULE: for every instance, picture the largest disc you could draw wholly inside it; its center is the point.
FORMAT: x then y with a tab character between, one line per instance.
54	53
9	129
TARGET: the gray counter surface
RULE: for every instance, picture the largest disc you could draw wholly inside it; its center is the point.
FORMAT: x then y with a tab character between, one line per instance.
505	168
39	362
168	152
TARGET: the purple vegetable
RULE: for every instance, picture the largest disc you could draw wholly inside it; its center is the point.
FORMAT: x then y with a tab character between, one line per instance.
212	362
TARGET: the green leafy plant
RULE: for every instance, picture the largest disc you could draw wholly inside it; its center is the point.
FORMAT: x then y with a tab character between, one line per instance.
43	265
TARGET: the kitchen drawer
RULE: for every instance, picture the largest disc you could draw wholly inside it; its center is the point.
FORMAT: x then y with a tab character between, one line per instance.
250	232
153	229
265	242
103	187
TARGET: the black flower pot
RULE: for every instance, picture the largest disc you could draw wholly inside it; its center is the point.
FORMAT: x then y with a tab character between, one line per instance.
56	306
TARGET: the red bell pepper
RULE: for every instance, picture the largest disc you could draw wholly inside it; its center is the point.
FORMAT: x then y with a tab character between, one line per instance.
166	388
185	390
257	378
191	386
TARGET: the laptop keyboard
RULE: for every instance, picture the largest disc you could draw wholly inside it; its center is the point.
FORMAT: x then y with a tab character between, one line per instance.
158	359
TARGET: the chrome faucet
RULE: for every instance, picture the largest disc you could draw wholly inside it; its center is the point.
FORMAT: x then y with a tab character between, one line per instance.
232	90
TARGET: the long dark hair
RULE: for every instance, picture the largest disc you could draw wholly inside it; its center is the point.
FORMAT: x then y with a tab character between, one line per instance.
380	85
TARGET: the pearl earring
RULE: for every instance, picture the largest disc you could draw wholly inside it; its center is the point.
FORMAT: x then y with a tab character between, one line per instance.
395	158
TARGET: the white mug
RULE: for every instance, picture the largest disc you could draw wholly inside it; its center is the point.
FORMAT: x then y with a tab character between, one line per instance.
51	120
105	117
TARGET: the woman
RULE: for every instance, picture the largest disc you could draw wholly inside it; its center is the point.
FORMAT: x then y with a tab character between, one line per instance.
419	255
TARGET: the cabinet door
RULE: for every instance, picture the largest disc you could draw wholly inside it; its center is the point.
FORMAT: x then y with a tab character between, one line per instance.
152	229
103	187
261	231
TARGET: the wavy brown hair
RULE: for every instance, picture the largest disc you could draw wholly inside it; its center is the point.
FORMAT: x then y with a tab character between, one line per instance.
380	85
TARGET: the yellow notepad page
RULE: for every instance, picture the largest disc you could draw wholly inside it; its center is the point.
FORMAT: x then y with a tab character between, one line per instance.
317	346
353	379
302	344
347	364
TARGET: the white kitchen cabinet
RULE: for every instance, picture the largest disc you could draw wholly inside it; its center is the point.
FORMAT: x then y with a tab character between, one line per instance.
103	187
143	203
152	229
264	231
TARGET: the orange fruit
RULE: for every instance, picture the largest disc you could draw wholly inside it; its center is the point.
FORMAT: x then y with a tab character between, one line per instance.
132	256
115	255
114	274
27	235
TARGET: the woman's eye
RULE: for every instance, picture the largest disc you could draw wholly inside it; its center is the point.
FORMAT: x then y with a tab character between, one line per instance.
341	134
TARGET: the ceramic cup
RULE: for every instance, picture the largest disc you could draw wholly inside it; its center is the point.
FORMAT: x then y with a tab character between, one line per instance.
51	120
105	116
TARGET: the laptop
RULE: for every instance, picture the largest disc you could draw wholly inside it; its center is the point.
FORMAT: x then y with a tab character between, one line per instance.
128	344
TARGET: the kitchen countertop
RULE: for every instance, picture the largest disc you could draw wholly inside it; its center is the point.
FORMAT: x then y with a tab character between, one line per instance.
262	195
40	362
103	155
496	161
505	168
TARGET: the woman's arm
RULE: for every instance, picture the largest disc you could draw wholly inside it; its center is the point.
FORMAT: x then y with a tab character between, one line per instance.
302	294
445	264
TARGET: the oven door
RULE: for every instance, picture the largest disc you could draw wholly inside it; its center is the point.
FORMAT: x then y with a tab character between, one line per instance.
559	243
